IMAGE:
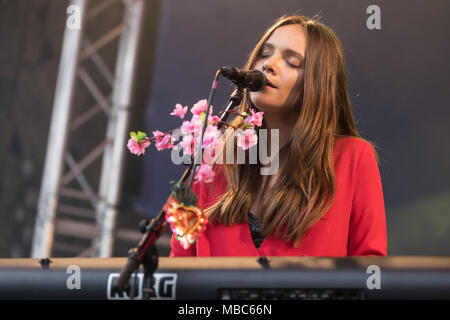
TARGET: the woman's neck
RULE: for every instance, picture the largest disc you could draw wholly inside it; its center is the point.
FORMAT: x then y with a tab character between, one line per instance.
284	130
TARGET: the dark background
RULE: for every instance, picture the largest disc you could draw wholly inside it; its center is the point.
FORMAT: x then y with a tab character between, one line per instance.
398	82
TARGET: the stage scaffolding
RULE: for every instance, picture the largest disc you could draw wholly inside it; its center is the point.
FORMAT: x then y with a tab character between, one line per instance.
85	221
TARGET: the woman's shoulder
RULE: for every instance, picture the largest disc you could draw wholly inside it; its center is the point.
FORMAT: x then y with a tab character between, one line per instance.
352	143
353	147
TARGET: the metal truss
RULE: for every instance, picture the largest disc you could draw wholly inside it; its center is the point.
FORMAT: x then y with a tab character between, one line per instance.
73	218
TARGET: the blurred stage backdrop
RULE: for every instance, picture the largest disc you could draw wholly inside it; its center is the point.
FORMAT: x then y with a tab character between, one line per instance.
398	82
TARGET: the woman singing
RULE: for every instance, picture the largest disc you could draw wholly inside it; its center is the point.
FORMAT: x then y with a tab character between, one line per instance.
326	198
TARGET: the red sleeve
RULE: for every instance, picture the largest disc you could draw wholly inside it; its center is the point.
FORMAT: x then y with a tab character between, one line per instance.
367	231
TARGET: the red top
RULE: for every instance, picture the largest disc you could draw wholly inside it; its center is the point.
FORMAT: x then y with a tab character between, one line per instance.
355	224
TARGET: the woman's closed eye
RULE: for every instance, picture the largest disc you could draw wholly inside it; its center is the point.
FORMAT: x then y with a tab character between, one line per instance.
264	54
293	62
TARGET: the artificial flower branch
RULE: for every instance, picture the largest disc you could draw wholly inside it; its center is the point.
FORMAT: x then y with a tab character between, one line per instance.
186	219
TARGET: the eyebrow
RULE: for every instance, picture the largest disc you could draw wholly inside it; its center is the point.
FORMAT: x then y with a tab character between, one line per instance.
289	51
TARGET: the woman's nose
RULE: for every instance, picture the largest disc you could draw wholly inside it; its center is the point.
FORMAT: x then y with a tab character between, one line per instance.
269	65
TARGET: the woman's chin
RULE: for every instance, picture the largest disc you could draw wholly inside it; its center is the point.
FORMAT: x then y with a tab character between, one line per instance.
266	106
261	104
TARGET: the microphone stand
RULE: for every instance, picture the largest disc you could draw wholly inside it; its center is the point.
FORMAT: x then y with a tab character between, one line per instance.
146	253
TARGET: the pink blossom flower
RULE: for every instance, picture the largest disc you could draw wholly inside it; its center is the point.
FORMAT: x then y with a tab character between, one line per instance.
198	125
163	141
248	139
138	148
210	152
179	111
194	126
210	136
213	120
200	107
204	173
158	134
187	127
255	118
188	144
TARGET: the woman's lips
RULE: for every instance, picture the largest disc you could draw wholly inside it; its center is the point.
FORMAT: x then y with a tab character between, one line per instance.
270	84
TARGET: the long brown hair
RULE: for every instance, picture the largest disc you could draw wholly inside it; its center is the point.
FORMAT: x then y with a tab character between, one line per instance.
306	185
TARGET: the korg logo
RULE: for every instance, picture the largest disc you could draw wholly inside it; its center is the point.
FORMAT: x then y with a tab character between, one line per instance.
165	285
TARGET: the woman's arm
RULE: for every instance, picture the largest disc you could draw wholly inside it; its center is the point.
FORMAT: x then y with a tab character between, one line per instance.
367	230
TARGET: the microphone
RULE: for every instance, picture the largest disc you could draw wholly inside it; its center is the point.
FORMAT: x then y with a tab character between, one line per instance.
254	80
